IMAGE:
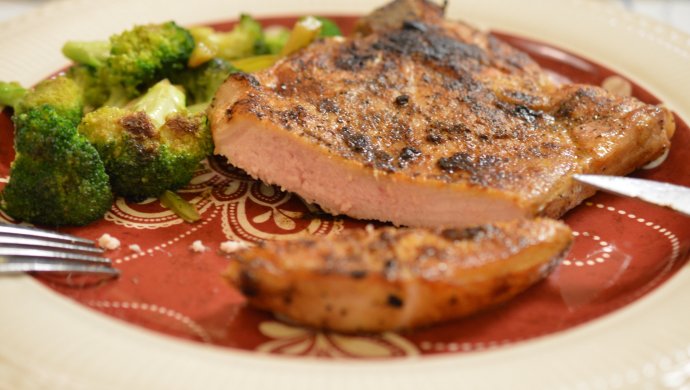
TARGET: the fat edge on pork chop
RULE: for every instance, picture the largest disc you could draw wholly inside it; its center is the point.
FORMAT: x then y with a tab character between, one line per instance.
422	121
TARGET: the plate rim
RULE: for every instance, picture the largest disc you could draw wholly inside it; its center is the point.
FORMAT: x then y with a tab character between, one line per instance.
61	319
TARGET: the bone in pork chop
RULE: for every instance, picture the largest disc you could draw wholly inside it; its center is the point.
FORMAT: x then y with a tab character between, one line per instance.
426	122
391	278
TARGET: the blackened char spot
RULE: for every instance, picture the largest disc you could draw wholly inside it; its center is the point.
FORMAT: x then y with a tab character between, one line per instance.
434	138
358	142
527	114
183	125
328	105
358	274
402	100
383	161
352	58
246	77
465	234
390	269
457	162
431	45
409	153
249	285
414	25
395	301
139	125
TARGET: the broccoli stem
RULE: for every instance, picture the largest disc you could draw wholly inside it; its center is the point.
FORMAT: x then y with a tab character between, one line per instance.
179	206
93	53
11	93
256	63
303	33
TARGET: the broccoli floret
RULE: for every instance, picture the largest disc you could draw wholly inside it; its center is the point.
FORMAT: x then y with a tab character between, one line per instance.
57	177
91	53
61	93
152	145
130	62
275	38
11	93
245	39
95	90
328	27
201	83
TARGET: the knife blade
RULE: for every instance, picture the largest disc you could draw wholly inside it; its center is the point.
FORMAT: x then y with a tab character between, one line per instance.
668	195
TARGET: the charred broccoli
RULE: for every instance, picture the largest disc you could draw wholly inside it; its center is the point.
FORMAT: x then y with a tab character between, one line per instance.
151	145
57	177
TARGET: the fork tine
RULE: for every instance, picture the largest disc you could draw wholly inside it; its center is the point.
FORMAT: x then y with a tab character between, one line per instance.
56	266
26	253
13	242
34	232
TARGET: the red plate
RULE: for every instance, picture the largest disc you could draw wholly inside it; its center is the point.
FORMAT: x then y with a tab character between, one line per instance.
623	249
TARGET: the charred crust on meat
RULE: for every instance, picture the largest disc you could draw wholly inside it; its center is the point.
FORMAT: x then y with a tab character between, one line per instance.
434	138
408	155
457	162
414	25
358	274
383	161
358	142
394	301
242	76
390	269
453	300
287	298
293	116
433	46
139	125
402	100
248	283
501	288
353	58
328	106
465	234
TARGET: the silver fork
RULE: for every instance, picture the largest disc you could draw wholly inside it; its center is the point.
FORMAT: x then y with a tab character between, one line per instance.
26	249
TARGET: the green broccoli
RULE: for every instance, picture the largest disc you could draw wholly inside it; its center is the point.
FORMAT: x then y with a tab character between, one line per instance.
130	62
151	145
57	177
201	83
245	39
10	93
60	93
95	91
328	27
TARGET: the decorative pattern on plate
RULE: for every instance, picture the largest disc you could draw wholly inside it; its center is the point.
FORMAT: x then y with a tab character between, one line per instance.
292	340
623	250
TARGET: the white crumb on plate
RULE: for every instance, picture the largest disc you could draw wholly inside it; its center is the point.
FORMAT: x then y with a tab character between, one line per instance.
106	241
135	248
232	246
198	246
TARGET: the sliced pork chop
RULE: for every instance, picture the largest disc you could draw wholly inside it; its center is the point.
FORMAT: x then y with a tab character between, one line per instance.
429	122
391	278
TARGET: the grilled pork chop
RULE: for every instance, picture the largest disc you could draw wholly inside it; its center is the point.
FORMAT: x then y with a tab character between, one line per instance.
392	278
426	122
